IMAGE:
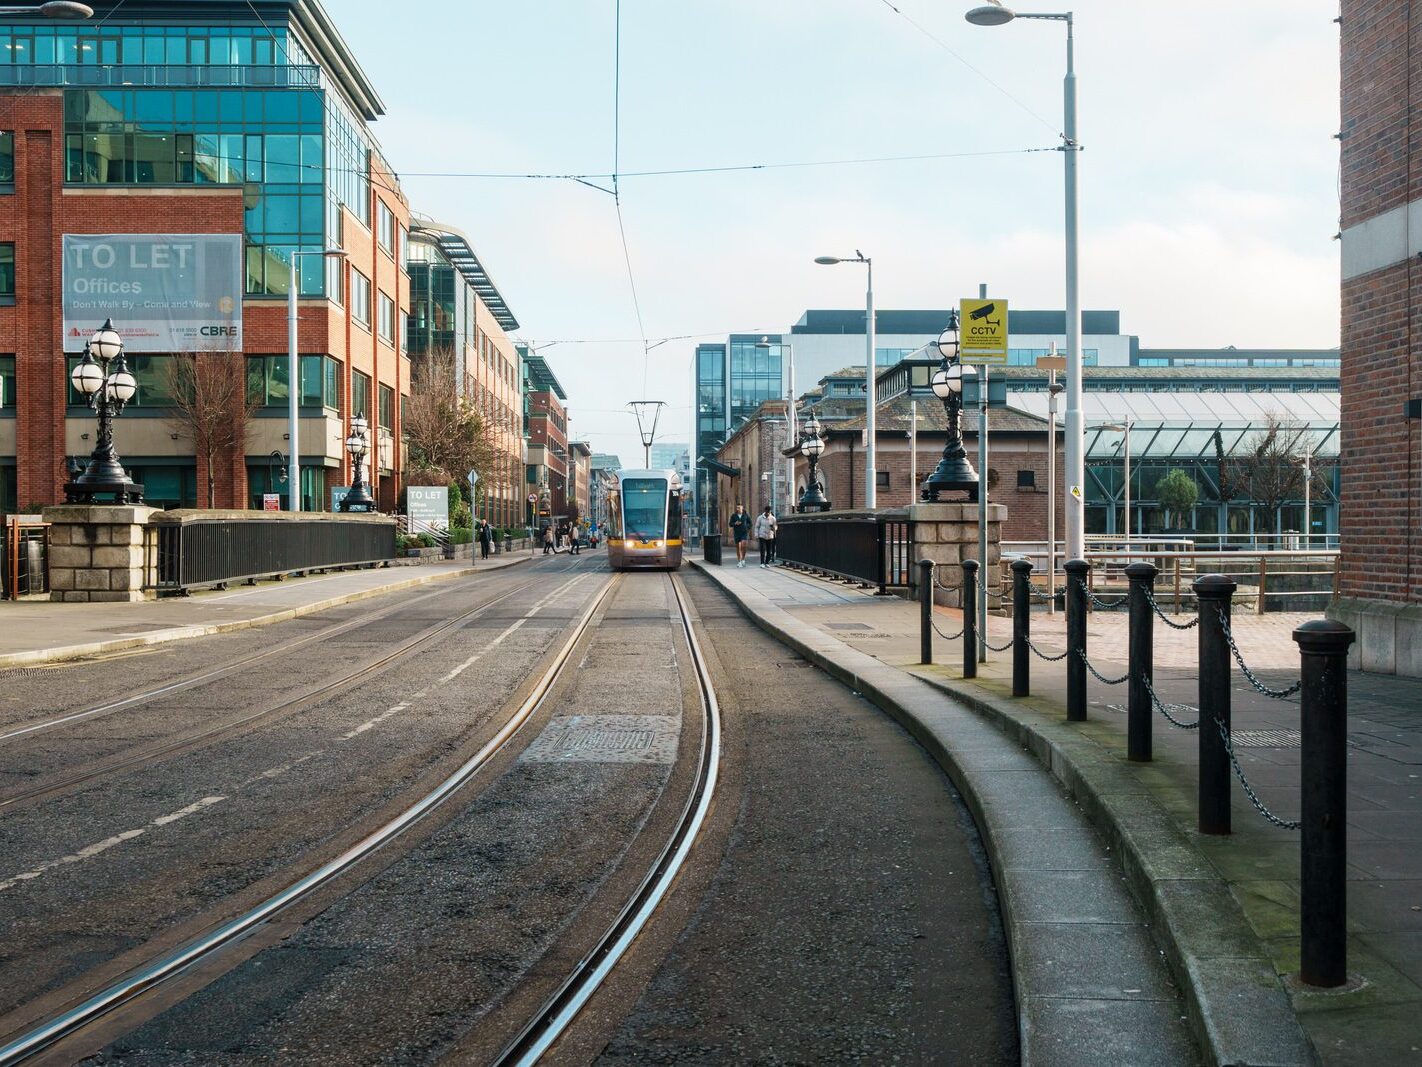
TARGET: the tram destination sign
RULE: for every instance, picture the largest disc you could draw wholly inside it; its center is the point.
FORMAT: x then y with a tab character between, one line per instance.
166	292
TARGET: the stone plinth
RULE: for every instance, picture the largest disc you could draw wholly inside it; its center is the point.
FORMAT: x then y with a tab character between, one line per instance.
948	534
97	552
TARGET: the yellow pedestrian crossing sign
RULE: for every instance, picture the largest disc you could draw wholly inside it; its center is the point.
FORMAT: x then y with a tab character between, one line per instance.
982	331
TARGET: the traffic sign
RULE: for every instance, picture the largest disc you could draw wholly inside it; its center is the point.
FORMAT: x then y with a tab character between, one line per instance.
982	331
533	498
271	502
473	477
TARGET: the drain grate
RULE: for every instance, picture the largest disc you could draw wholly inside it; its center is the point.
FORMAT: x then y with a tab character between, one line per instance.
1265	738
607	739
848	626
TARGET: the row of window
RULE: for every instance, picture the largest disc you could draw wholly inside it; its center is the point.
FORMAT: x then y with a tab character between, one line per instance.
152	45
1237	361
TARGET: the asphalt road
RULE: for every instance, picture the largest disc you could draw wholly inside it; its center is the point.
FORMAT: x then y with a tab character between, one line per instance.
837	907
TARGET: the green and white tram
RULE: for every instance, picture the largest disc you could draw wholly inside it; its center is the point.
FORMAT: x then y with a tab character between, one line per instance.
644	508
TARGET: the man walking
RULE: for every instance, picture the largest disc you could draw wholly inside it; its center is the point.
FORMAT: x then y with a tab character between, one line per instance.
486	539
548	539
765	526
740	531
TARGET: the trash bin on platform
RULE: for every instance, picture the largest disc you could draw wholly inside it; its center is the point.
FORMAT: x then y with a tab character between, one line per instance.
711	548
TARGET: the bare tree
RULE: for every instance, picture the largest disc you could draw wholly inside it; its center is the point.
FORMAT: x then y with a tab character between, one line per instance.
209	405
447	435
1267	467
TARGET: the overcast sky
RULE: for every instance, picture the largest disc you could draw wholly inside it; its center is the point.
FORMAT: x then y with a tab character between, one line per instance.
1209	176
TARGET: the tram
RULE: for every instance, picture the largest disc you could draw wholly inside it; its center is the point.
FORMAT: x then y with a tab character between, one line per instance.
645	524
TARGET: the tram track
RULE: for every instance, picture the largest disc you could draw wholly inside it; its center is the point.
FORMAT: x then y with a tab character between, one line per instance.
271	711
190	955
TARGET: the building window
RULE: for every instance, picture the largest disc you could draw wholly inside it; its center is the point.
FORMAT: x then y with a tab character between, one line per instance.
7	382
360	394
385	227
1026	479
402	247
267	381
336	280
387	407
387	318
881	479
7	158
360	298
7	272
151	372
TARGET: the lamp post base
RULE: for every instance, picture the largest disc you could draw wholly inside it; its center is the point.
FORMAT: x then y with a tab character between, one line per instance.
87	491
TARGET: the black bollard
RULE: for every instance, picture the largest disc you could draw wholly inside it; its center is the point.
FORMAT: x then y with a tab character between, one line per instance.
1021	627
925	611
1076	571
1213	593
1142	659
970	618
1323	648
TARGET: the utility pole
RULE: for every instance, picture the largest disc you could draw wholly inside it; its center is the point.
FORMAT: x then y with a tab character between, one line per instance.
982	500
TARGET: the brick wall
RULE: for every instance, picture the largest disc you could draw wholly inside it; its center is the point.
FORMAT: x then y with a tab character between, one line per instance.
1382	542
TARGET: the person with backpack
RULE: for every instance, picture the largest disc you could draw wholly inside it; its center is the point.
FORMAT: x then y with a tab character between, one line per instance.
765	527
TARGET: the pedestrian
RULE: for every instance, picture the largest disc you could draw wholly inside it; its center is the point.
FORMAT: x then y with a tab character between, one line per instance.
548	539
740	530
765	525
574	540
486	539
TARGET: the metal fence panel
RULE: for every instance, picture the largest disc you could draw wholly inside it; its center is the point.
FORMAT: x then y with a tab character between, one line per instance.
192	554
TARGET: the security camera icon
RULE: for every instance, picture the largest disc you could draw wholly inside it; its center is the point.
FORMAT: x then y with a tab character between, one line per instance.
983	313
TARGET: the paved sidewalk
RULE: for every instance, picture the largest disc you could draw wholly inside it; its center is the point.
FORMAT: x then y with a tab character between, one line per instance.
1149	809
39	631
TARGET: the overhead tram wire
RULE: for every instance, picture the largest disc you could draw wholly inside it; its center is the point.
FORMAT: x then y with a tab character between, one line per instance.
616	190
980	73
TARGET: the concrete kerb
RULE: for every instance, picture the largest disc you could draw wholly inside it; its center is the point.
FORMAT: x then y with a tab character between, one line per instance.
1239	1010
37	656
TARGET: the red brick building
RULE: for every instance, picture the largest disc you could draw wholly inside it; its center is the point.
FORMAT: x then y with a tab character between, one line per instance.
1380	585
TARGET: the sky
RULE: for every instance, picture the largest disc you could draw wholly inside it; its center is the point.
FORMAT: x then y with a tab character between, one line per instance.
1208	177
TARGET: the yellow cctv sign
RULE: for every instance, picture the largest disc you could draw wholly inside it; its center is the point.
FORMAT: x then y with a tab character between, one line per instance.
982	331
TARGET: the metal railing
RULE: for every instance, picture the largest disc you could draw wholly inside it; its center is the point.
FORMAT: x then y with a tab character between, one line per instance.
873	547
160	75
1285	580
26	563
193	552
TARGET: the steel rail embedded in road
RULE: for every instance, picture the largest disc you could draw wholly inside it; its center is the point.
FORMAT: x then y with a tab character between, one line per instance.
127	989
558	1013
142	756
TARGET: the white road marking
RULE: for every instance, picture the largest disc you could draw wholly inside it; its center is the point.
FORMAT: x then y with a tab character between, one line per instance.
89	851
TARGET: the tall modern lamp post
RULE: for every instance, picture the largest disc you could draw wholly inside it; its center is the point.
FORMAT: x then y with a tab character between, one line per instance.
870	473
954	471
996	15
103	378
358	445
1124	428
293	374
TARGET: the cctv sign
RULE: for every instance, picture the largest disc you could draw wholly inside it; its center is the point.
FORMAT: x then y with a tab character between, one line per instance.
982	331
166	292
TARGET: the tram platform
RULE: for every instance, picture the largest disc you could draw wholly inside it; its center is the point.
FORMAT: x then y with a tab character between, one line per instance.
35	632
1224	910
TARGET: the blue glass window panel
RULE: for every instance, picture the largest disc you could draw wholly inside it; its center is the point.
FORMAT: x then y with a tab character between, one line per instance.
43	49
233	159
283	158
252	107
242	51
219	49
153	50
311	109
177	51
207	166
281	107
254	158
205	106
311	157
153	106
312	210
230	105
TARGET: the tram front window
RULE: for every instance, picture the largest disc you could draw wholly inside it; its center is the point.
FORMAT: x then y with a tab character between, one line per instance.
644	508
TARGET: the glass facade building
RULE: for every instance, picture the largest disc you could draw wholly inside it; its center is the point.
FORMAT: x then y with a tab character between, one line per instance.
732	380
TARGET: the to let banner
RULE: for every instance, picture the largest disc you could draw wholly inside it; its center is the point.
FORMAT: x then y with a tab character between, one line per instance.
165	292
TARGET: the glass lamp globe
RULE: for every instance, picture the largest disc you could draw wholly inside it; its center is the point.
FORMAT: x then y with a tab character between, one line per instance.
947	380
121	386
359	426
106	344
355	445
814	446
948	343
87	377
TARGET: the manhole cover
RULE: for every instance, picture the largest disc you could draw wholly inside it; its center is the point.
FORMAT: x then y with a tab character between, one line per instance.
848	626
1265	738
607	739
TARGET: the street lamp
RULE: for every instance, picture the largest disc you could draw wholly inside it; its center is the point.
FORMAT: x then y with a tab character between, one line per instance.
55	9
1125	428
358	498
953	470
1074	483
293	373
812	443
870	474
106	392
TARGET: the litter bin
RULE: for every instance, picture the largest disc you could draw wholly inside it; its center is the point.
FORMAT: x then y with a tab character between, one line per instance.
711	548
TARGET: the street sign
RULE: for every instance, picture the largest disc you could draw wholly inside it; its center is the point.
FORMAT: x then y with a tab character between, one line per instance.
473	477
1056	363
271	502
982	331
533	498
338	493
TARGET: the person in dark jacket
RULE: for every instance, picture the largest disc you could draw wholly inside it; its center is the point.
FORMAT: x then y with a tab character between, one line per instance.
486	539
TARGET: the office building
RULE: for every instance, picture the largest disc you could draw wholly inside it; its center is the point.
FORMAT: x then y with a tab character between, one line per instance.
545	428
666	454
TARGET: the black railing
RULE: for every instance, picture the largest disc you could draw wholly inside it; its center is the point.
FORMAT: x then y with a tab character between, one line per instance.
198	552
169	75
870	547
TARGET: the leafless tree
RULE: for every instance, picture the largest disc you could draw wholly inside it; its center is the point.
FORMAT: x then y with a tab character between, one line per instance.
447	435
1267	467
209	406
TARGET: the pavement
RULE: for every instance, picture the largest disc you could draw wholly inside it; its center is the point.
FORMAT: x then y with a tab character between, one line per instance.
1223	911
36	631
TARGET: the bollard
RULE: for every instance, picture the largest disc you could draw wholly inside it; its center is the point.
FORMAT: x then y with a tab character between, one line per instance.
1213	593
970	618
1021	627
1076	570
1142	658
1323	648
925	611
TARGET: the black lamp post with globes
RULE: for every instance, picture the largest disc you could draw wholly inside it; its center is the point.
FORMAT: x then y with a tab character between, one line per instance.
953	470
103	378
812	443
357	444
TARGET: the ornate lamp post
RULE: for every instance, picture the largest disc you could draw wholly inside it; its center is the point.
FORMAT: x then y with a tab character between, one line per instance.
358	444
812	443
953	470
107	392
